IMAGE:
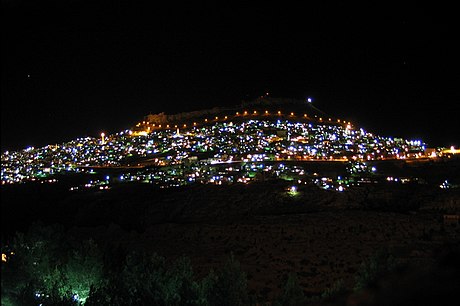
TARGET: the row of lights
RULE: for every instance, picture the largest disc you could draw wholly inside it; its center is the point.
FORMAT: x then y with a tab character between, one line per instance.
244	114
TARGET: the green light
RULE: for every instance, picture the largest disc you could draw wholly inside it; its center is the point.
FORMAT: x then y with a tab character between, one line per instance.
293	191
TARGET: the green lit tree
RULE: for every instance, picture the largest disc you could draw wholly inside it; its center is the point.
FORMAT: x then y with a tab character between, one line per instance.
32	271
46	269
83	269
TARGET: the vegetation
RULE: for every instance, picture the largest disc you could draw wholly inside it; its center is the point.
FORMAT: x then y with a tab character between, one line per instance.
88	259
337	290
292	294
50	266
374	268
145	280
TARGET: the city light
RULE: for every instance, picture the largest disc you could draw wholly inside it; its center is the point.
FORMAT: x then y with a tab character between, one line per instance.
175	156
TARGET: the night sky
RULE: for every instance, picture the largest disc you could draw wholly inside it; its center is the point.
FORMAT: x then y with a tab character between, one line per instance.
77	68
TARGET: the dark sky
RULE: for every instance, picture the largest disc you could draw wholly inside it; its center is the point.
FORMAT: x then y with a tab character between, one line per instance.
76	68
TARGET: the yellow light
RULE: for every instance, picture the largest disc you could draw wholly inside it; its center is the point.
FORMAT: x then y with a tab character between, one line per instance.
245	112
194	123
279	112
266	112
167	126
159	125
237	113
255	112
305	115
225	117
175	126
292	114
3	257
320	119
217	118
205	120
453	150
185	125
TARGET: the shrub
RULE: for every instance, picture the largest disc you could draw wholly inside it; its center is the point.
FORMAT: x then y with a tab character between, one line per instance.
292	294
370	270
228	286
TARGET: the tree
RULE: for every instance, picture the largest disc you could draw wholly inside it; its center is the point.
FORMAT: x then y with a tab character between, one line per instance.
180	288
229	286
370	270
292	292
32	270
145	280
83	269
46	269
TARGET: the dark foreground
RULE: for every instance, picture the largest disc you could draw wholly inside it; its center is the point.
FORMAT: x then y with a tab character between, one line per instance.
371	245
